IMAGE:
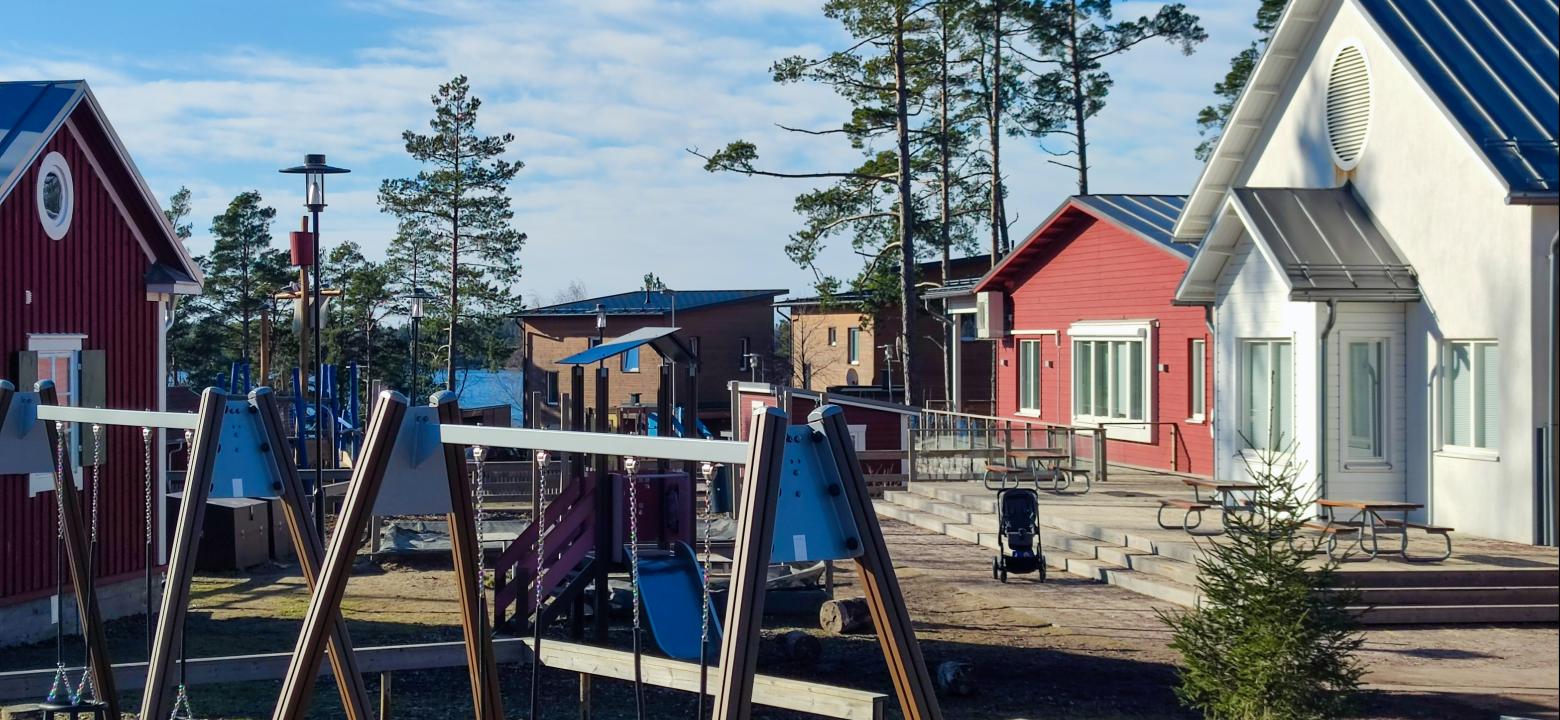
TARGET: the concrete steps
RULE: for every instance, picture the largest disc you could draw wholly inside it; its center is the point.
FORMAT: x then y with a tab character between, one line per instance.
1168	571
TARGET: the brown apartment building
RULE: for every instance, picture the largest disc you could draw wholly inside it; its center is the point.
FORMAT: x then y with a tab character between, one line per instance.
834	346
730	331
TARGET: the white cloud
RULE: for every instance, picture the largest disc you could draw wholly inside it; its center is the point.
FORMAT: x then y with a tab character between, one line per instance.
603	98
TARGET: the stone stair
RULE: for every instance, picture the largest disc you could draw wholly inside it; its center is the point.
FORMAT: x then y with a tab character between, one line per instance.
1168	571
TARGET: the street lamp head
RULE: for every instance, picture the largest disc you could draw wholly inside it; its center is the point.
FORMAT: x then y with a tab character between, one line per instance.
417	296
601	316
314	169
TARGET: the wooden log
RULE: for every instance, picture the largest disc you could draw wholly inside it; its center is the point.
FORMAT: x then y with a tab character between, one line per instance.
956	678
844	616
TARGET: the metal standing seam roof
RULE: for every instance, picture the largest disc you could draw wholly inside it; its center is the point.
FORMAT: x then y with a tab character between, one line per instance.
652	302
1327	245
1151	216
30	113
1494	66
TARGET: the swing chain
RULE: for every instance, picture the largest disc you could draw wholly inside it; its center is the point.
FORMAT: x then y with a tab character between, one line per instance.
181	706
708	470
97	476
146	489
59	480
61	686
479	492
541	527
629	463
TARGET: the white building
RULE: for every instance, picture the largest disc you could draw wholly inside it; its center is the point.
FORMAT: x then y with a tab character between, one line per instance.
1376	235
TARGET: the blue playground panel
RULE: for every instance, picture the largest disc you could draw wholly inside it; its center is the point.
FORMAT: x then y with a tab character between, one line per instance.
653	424
813	519
671	588
241	468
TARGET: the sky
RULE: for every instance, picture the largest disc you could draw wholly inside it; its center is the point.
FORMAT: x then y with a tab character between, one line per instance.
604	99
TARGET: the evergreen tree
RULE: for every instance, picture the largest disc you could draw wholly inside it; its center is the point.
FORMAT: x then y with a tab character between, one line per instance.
874	202
193	342
1211	119
1074	38
355	332
243	271
178	214
460	204
1271	637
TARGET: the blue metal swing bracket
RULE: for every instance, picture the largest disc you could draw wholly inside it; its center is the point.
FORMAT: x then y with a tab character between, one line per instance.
241	469
416	478
24	442
813	519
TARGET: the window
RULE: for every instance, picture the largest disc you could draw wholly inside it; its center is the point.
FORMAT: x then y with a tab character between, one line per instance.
1109	380
1266	392
1470	384
853	345
834	337
745	362
592	342
62	367
1364	426
967	327
630	360
1198	383
550	380
56	195
1029	376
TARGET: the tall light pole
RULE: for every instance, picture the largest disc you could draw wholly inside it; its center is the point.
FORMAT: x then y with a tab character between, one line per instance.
417	297
314	169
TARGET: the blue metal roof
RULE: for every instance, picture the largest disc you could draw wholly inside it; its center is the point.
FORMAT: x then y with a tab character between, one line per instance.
662	339
1152	216
30	113
1495	67
653	302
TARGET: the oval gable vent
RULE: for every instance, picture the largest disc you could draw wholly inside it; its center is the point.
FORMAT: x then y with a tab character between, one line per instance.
1348	105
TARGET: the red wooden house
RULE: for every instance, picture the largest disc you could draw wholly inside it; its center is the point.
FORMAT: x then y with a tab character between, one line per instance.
1090	335
89	273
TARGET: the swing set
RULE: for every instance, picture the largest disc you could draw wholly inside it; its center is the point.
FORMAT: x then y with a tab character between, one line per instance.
802	497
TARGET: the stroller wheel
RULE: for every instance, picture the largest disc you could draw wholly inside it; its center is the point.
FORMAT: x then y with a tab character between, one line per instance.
1040	573
1003	571
996	567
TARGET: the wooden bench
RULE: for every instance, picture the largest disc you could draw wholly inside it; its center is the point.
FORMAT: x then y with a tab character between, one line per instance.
1330	531
1191	507
1404	526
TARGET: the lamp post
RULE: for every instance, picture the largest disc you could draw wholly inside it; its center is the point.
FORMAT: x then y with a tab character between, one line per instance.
314	169
417	296
601	323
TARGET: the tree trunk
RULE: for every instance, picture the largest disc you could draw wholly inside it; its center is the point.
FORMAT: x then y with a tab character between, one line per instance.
907	294
1079	101
998	221
449	358
946	240
843	616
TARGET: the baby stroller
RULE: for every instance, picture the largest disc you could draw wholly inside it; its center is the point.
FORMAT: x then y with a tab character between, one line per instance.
1018	534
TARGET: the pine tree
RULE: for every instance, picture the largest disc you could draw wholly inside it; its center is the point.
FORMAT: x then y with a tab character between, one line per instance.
368	297
243	271
461	205
874	202
1271	638
1211	119
1074	38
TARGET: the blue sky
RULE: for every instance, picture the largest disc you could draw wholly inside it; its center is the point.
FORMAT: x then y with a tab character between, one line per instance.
603	98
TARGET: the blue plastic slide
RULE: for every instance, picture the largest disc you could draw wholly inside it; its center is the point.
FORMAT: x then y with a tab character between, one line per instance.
671	591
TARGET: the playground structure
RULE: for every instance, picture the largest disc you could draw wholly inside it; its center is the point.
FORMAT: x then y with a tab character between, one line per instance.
825	513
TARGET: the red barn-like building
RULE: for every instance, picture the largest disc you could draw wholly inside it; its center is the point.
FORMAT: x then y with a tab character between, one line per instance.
89	273
1091	336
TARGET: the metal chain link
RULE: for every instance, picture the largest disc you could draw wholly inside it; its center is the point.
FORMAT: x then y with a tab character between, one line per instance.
541	528
146	488
181	706
97	476
59	480
704	567
479	491
629	464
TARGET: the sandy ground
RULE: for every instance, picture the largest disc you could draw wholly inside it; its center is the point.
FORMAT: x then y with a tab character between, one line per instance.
1067	648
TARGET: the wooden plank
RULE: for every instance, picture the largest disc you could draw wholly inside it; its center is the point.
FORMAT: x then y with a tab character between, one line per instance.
310	549
78	558
755	533
890	617
464	546
776	692
325	602
167	641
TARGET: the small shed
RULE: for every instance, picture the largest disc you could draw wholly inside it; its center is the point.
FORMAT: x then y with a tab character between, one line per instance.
880	430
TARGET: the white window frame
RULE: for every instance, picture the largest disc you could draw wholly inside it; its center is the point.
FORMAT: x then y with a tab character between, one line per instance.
623	363
54	163
1197	380
55	346
1353	459
1023	382
1471	452
1243	434
550	394
853	345
1136	429
834	336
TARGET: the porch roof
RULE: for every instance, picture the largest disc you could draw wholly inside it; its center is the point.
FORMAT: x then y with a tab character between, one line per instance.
661	339
1326	244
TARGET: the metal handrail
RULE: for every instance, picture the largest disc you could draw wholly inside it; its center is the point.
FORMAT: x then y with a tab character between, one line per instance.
127	418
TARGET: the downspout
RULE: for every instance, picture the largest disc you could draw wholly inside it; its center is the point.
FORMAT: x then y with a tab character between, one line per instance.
1321	405
1549	487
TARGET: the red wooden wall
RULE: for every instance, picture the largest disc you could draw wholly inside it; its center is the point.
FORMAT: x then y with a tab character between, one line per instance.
91	282
1102	272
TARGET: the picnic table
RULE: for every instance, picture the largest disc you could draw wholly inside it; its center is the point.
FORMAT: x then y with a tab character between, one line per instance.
1045	463
1226	496
1369	519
